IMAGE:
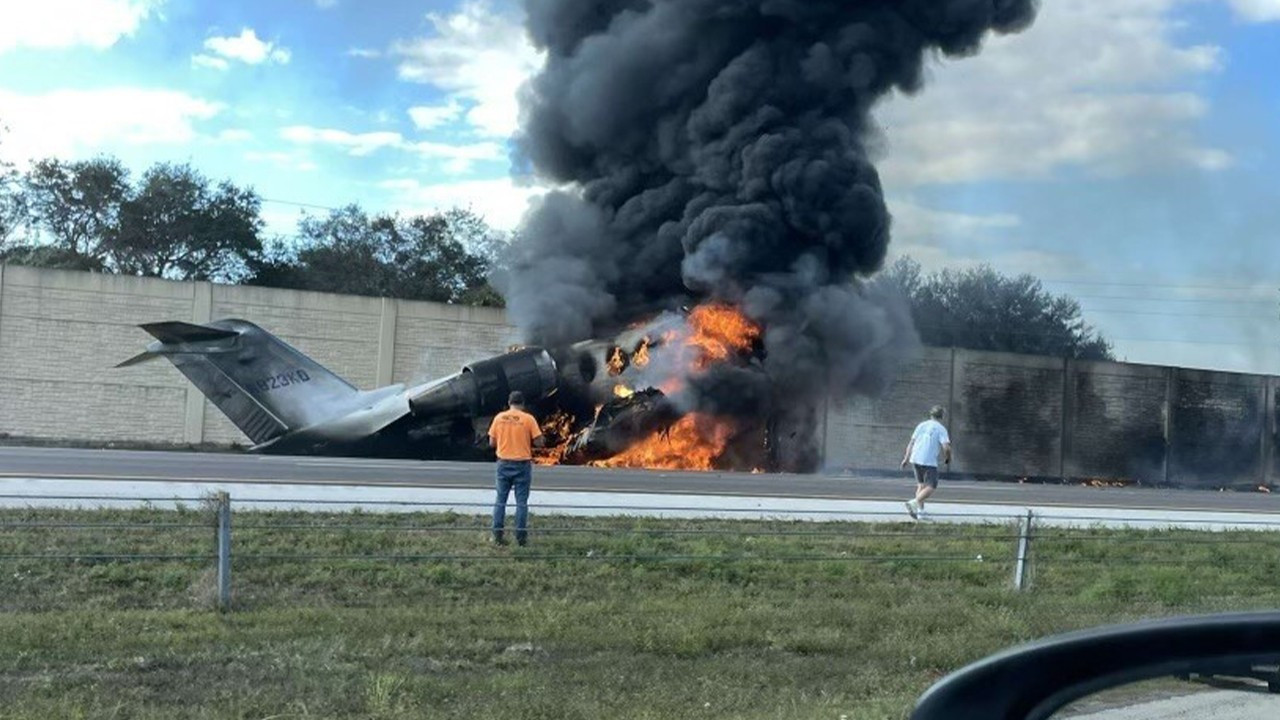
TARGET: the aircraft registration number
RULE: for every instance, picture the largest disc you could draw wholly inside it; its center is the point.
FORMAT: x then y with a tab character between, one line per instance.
283	380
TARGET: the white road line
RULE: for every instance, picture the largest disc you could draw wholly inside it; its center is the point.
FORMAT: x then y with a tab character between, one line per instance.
28	492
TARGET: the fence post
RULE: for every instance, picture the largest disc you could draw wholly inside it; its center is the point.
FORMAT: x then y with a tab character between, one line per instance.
1024	547
224	551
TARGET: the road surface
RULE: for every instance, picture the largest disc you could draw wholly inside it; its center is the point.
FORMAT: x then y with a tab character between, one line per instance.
30	476
117	465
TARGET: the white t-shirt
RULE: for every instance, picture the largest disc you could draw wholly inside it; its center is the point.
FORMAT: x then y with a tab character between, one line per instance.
927	442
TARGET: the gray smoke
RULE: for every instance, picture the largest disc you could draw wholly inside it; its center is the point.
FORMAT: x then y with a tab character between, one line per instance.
718	151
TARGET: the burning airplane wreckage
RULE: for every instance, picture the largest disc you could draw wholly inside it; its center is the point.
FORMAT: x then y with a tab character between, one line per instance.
617	403
706	154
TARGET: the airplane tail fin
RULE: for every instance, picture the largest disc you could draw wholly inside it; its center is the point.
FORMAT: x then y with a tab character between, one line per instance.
262	384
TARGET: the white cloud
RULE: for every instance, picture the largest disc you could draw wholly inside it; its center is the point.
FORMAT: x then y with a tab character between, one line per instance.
67	123
358	144
1257	10
282	159
913	223
245	47
1097	85
456	159
933	258
478	56
67	23
366	53
501	202
939	239
430	117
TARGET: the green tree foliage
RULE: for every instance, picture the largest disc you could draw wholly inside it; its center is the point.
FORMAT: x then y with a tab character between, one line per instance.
177	224
72	208
12	202
443	257
982	309
174	223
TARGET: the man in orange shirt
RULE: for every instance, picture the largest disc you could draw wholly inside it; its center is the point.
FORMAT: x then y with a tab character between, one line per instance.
514	433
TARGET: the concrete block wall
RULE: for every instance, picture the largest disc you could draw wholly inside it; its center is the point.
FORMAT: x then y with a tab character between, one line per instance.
871	433
61	333
1217	432
434	340
1007	414
1272	449
1013	415
1116	417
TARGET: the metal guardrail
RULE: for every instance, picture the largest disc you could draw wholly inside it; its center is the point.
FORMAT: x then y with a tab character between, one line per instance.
1021	530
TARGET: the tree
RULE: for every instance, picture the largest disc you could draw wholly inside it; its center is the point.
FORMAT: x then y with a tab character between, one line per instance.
75	205
486	244
12	205
177	225
423	257
341	253
982	309
86	215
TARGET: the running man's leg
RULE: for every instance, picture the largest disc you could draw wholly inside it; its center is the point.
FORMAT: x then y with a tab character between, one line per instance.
913	505
928	484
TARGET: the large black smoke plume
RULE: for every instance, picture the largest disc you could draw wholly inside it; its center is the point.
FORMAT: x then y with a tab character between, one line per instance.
717	151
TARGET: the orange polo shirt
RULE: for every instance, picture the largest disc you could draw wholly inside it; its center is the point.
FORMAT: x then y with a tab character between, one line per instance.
514	431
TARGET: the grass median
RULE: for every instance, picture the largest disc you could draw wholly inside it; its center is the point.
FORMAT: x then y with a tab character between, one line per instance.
110	613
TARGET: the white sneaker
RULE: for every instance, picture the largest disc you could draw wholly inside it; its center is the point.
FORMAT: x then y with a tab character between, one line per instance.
912	509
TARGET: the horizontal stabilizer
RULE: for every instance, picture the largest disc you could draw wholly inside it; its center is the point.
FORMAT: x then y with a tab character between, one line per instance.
182	332
138	359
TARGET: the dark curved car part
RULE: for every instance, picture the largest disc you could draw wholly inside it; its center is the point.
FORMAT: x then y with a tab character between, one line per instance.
1034	681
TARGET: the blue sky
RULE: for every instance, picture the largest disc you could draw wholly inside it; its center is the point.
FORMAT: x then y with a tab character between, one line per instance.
1128	150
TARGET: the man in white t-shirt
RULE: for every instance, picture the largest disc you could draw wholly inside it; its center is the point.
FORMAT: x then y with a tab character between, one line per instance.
929	444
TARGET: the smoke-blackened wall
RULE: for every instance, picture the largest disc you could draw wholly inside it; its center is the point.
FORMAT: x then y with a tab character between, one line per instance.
1216	429
1007	412
1116	418
716	150
1025	415
1272	431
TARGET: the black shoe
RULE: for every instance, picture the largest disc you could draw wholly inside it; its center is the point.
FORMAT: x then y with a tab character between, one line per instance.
498	539
522	539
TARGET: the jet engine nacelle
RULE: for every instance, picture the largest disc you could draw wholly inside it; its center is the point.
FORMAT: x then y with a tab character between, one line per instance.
482	388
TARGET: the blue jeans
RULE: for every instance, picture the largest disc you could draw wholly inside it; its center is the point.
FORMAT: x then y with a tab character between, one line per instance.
515	475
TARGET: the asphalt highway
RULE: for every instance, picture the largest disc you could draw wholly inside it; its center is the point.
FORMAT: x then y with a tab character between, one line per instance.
135	466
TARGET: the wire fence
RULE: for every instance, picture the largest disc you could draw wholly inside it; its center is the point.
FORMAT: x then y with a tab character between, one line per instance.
207	550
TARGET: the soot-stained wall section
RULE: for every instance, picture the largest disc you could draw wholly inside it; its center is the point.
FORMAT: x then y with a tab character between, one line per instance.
1025	416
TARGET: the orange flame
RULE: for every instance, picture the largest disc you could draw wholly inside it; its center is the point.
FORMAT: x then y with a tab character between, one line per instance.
617	362
720	331
641	357
695	442
713	333
558	431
